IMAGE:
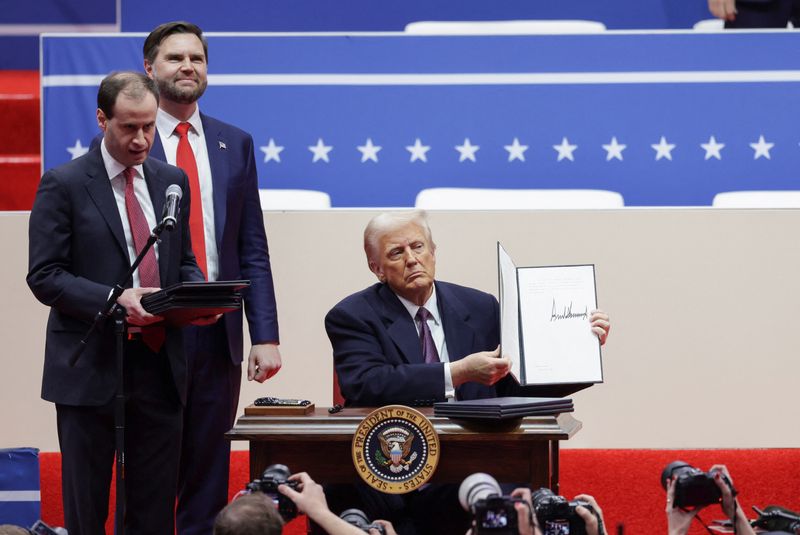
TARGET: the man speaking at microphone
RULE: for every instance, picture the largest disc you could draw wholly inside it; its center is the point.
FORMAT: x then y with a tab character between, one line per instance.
91	218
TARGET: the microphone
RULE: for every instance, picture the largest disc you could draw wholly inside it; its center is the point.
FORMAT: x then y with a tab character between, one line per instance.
172	207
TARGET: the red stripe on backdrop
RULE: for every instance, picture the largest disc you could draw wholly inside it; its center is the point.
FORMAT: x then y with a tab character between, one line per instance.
626	483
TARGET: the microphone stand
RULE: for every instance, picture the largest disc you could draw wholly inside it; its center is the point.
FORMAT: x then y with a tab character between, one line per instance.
118	313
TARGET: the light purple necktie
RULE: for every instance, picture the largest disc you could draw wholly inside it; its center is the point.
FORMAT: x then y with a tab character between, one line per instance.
429	352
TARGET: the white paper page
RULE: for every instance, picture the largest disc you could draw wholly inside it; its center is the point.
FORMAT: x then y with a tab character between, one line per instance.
556	303
509	310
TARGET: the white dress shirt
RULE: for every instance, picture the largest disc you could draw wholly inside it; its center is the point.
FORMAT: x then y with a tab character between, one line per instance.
165	125
437	332
114	170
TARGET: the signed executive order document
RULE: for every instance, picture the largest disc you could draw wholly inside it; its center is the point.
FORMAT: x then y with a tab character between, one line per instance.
544	322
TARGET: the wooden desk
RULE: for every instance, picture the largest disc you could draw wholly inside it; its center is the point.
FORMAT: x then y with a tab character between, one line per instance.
320	444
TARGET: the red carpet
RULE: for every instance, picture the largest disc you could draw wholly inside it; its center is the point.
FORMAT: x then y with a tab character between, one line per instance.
626	483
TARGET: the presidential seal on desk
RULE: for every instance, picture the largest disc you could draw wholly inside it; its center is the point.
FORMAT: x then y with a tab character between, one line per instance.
395	449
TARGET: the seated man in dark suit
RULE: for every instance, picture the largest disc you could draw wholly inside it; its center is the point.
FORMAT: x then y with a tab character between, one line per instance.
386	351
376	333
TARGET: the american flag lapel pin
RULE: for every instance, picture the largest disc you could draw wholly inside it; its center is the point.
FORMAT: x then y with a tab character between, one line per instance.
222	145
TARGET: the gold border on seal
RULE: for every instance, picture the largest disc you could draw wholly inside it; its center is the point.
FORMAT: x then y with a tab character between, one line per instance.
415	419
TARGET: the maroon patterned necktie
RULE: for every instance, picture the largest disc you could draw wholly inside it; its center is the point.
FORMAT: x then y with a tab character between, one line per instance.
148	268
429	352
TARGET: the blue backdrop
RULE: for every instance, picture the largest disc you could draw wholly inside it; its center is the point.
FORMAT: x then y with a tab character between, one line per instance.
22	51
369	15
664	118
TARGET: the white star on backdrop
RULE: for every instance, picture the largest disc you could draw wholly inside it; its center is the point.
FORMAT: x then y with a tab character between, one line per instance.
77	150
713	148
418	151
761	148
271	151
614	150
565	150
467	150
663	149
516	151
369	151
320	151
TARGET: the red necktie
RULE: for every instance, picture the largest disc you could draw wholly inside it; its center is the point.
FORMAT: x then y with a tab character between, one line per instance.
185	160
148	268
429	352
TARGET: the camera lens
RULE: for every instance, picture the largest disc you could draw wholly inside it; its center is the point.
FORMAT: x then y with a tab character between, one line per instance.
478	486
675	468
355	517
277	472
540	495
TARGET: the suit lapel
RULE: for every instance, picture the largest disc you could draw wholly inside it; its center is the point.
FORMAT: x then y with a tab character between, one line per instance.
400	326
217	149
455	316
98	186
157	150
157	187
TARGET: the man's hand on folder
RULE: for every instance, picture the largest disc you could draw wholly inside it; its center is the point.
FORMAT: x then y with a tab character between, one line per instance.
206	320
485	367
131	300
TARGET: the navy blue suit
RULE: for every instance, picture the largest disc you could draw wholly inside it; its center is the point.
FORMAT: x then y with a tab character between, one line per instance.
378	356
377	352
77	253
215	353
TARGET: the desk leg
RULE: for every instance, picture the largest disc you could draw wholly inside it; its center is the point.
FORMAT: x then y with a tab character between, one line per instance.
261	456
554	481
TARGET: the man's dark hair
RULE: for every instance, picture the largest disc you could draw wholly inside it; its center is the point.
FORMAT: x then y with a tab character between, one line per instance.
134	84
157	36
251	514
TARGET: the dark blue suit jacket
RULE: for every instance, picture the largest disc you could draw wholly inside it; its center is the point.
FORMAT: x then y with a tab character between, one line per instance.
77	252
239	227
378	355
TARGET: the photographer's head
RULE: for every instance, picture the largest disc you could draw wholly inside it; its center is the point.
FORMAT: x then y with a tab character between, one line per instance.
249	514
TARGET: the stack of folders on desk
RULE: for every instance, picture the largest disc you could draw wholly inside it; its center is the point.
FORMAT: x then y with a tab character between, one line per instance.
183	302
502	408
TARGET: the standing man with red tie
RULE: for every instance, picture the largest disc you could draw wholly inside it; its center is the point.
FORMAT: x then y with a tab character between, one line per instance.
230	243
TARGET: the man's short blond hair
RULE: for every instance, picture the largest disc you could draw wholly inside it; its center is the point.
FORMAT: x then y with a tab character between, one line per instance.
387	222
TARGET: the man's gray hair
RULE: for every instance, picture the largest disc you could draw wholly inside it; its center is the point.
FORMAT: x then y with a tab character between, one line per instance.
389	221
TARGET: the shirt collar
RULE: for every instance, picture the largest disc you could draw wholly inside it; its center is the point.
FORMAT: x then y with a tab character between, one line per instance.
431	305
113	167
166	123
